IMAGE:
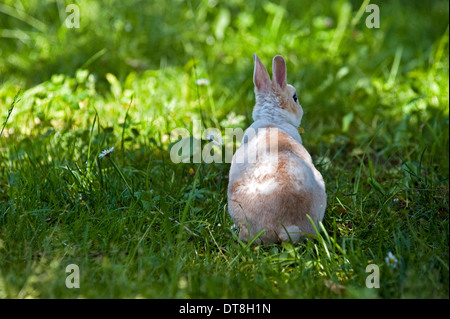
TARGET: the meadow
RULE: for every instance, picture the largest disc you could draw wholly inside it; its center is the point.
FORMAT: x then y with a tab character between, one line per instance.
138	225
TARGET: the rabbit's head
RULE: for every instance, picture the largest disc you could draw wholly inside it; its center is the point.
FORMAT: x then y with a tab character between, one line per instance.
276	101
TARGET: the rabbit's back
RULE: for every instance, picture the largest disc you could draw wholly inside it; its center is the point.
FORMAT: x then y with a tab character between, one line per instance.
277	190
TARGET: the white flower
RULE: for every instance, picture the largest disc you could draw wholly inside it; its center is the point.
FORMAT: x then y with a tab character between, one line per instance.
215	138
106	152
391	260
234	228
202	82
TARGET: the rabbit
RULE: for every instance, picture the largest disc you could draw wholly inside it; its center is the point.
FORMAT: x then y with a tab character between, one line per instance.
273	184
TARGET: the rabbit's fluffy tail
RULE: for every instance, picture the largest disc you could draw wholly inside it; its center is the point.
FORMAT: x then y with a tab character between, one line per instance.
290	233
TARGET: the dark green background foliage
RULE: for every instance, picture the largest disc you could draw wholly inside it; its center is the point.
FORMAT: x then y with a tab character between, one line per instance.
375	121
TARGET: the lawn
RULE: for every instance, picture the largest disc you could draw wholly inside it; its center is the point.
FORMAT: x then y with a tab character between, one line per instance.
137	225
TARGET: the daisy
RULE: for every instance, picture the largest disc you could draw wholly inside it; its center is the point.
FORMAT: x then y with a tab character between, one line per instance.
202	82
215	138
391	260
234	228
106	152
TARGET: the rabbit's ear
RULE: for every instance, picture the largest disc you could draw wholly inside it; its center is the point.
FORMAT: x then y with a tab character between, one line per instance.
279	71
260	75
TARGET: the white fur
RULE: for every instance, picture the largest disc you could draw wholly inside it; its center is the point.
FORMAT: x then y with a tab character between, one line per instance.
265	187
264	109
265	114
264	123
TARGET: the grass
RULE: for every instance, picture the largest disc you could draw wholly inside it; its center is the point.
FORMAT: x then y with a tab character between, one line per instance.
138	225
